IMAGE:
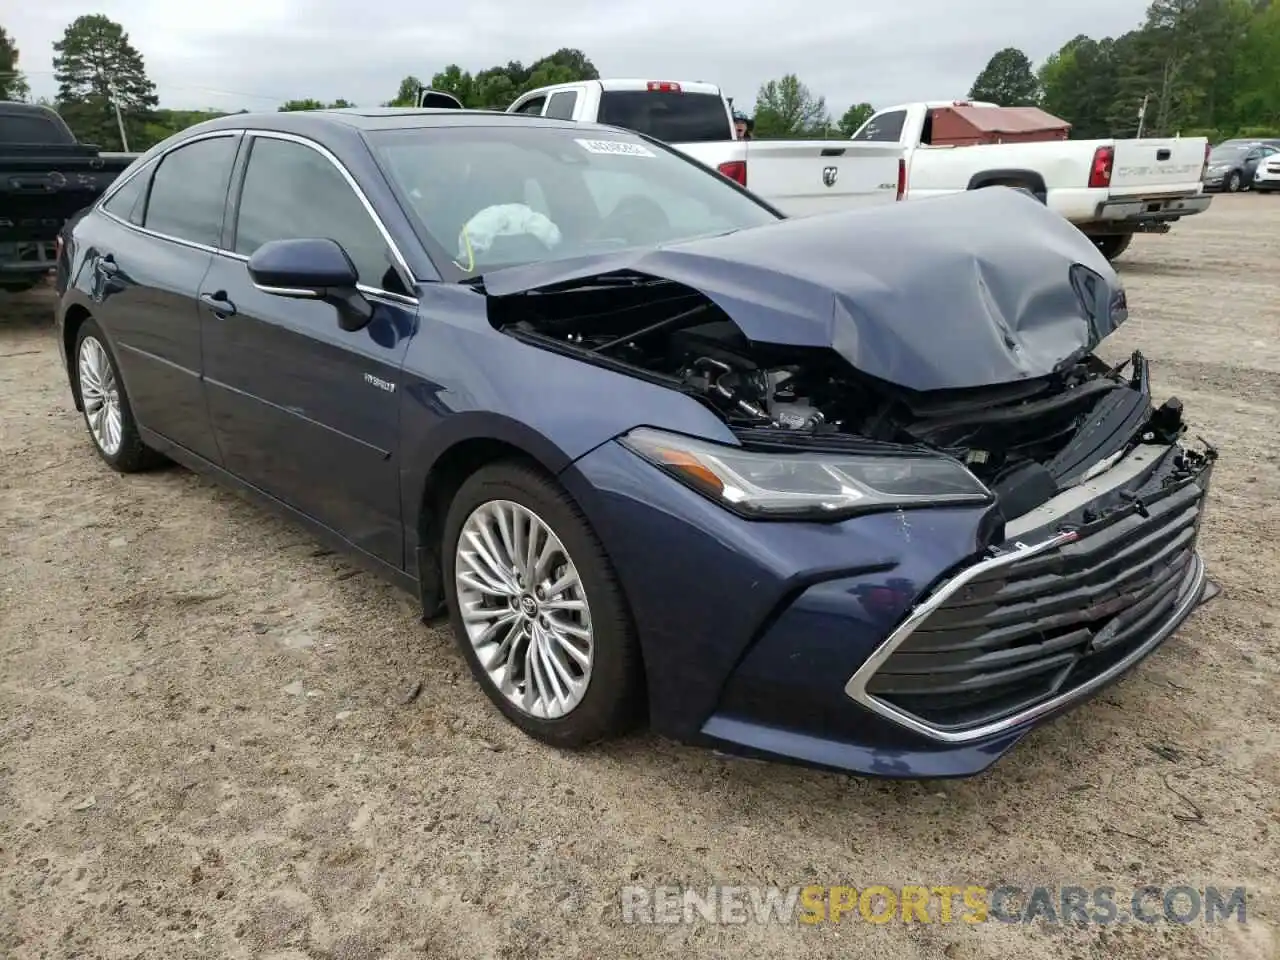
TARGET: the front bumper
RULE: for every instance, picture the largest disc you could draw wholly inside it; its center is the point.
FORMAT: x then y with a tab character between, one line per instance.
1266	179
786	641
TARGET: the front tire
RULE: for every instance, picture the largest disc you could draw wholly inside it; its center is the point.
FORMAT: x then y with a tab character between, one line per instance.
1234	182
105	403
1114	244
537	609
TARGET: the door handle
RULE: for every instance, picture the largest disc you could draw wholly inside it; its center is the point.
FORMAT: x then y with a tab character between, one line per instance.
1163	153
218	303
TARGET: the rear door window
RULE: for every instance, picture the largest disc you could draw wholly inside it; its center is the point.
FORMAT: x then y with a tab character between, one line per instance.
189	191
667	115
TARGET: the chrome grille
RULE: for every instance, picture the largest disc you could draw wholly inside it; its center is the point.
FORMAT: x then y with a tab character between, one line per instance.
1020	633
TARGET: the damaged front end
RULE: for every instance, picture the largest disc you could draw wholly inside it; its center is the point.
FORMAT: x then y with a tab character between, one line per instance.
864	367
1025	440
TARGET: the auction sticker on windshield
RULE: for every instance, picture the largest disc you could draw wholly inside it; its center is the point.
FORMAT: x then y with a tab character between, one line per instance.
625	147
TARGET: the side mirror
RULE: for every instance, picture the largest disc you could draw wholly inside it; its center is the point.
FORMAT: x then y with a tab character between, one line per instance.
312	269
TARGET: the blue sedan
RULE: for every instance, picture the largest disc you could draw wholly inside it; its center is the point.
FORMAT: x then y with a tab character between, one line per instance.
850	490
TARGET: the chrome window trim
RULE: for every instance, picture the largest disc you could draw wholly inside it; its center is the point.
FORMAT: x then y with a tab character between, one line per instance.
362	287
301	293
366	289
1190	592
119	182
400	262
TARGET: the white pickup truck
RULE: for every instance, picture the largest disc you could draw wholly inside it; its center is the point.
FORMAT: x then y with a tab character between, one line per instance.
1111	189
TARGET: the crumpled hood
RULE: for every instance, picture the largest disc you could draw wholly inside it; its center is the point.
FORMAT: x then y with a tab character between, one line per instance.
965	290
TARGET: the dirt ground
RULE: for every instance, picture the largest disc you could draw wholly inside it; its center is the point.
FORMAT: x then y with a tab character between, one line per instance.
210	747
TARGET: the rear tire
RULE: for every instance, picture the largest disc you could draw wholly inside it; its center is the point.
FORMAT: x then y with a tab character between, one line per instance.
501	609
105	403
1114	244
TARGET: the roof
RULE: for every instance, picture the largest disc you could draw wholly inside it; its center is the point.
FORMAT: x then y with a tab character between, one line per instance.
17	107
1008	119
378	118
629	84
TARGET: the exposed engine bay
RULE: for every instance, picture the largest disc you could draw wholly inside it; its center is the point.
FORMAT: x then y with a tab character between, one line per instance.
1027	440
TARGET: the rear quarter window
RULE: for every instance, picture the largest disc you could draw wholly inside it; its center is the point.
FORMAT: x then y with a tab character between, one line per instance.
668	116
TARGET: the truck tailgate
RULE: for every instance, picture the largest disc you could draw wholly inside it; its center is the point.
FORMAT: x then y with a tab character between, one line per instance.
802	177
38	194
1157	165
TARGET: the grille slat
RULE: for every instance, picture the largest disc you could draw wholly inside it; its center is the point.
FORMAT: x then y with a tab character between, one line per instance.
943	661
1067	598
1165	515
1009	626
1030	629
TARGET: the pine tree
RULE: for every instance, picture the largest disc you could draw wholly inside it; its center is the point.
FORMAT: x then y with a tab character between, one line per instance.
13	85
96	65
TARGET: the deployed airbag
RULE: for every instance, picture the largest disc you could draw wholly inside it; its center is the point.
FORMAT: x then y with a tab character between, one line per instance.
505	220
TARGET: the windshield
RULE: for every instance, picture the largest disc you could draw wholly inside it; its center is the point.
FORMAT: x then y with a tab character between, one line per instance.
487	197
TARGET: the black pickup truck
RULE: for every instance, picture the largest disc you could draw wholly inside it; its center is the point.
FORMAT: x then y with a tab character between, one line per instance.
45	177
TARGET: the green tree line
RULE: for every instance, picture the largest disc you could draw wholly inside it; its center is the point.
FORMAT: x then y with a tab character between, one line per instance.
1195	67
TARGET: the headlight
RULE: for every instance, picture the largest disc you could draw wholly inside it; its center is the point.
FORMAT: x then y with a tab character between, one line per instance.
807	485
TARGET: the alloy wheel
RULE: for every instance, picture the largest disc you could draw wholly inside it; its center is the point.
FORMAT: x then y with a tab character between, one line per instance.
524	609
100	395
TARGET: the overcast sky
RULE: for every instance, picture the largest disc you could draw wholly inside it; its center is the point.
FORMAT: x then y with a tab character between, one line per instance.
256	53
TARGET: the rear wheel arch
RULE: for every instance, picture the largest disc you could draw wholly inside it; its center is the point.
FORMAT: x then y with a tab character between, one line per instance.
1028	180
74	319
